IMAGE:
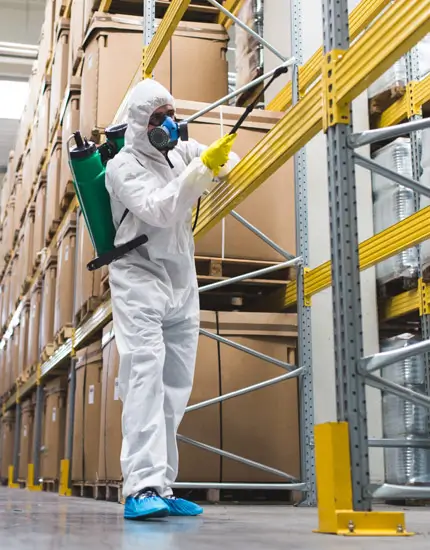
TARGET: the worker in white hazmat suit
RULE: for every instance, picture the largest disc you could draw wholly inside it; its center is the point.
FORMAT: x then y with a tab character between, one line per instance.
154	295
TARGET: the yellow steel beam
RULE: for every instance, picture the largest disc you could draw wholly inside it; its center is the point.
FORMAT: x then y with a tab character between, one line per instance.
334	488
401	236
360	18
233	6
400	305
395	113
392	35
287	137
422	91
164	33
105	5
403	24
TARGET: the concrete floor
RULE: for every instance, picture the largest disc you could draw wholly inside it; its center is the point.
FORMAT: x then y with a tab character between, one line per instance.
43	521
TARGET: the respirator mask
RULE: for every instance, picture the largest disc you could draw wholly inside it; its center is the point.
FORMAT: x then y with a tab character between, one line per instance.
167	132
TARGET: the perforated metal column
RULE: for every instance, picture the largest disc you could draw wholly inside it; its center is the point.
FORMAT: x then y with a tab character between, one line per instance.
303	311
347	318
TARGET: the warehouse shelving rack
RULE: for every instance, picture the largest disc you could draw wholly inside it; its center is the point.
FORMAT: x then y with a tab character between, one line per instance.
319	98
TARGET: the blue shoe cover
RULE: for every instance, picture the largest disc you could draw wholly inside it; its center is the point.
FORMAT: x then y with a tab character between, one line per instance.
182	507
145	505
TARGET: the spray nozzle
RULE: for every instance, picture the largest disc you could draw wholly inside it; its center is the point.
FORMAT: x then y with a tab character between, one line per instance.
79	141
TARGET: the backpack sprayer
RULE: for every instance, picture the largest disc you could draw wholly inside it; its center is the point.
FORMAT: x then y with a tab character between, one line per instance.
88	166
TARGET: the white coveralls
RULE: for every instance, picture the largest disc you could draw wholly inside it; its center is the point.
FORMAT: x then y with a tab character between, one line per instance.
154	291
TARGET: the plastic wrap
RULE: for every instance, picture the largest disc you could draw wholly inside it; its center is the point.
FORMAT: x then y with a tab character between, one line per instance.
403	419
425	201
248	58
391	204
395	76
424	55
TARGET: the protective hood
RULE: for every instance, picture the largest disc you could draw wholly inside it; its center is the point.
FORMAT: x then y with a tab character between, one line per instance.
146	97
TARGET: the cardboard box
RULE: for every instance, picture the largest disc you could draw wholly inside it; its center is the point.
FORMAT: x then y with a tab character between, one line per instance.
14	340
86	428
28	244
64	292
8	377
53	210
27	180
203	425
270	207
7	186
14	282
49	279
39	219
87	284
46	36
77	30
201	46
26	438
60	7
263	425
70	124
2	373
5	306
7	443
24	322
54	428
107	72
41	124
34	325
109	467
8	226
59	72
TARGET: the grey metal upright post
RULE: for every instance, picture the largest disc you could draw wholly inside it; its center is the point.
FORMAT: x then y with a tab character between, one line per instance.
17	442
307	446
72	369
37	440
347	318
148	21
413	73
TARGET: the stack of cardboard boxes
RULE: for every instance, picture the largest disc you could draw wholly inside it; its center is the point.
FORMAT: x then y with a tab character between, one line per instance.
87	63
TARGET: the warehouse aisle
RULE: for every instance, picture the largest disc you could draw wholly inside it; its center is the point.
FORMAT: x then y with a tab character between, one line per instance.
39	521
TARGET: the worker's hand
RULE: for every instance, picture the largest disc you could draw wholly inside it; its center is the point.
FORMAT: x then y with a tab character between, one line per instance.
217	154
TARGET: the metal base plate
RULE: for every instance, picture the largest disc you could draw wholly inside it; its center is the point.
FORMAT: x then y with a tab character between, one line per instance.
366	524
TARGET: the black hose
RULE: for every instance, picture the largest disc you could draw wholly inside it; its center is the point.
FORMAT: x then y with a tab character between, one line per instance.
244	116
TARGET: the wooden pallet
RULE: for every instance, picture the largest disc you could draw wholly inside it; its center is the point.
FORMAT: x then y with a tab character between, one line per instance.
105	288
381	102
67	198
41	162
51	231
397	286
232	267
28	373
236	495
426	275
64	334
85	489
26	285
114	491
87	309
47	351
50	485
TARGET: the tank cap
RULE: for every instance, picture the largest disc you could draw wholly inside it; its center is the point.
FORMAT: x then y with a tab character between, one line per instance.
83	148
116	131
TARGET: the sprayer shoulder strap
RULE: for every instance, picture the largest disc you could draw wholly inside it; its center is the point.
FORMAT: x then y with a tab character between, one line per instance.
126	211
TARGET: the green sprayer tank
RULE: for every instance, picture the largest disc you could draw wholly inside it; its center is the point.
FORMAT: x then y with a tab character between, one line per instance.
88	165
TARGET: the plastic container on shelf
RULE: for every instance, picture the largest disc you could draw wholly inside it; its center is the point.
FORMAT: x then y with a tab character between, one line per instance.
392	203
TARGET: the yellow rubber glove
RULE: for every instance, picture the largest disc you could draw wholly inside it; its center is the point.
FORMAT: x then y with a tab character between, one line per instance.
217	154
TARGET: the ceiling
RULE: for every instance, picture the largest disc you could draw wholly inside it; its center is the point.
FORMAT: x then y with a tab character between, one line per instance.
20	23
